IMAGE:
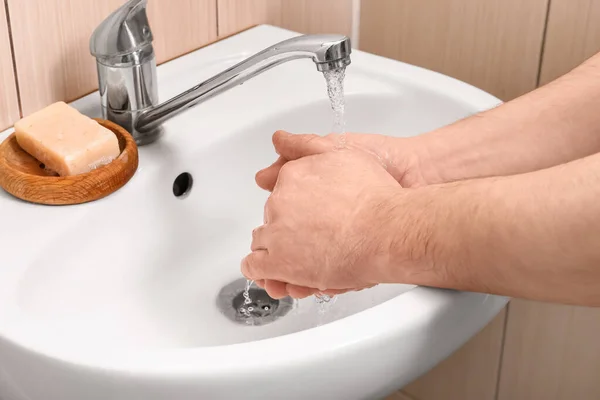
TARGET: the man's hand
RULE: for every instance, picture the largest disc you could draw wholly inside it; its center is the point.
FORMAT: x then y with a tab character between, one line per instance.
399	156
327	225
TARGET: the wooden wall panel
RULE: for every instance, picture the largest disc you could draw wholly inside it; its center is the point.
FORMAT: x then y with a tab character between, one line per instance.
51	42
305	16
317	16
9	107
551	352
573	35
469	374
181	26
235	15
492	44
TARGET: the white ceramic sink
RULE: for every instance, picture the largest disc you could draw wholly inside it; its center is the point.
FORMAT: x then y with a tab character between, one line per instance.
116	299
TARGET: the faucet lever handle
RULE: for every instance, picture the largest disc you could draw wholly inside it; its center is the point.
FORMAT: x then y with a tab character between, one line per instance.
122	33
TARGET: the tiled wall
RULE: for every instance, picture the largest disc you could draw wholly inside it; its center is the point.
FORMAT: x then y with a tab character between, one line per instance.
552	352
492	44
532	351
306	16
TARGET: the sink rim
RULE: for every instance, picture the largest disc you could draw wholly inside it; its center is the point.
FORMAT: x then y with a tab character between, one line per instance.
361	329
418	307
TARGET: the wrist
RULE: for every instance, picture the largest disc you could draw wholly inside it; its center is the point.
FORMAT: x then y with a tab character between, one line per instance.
430	235
450	154
406	232
411	163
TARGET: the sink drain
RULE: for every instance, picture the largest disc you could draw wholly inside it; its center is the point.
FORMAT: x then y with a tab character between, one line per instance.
262	310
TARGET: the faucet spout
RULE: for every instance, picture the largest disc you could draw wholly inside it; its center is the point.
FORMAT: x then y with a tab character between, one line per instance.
126	64
327	51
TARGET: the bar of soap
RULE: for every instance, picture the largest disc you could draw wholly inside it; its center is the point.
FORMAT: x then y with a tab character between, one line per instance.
66	141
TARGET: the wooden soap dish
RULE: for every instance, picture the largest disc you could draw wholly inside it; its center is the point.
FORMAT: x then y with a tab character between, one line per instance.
25	178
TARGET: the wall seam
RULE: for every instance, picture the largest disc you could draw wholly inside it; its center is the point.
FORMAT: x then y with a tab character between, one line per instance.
543	47
408	396
14	58
355	35
217	17
501	357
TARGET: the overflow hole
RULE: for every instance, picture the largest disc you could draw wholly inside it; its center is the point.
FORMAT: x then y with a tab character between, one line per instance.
182	184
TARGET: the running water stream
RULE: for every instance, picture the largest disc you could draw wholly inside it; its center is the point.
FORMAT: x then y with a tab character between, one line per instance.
335	91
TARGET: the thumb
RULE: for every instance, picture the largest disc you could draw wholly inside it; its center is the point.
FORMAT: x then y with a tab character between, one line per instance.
292	147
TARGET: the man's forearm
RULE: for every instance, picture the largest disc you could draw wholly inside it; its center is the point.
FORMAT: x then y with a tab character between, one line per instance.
554	124
535	235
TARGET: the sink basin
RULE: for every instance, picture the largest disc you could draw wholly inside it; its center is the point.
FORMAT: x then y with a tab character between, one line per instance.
118	299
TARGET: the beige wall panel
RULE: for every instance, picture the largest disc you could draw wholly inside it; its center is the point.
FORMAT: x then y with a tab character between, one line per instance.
470	373
551	352
9	107
492	44
51	41
573	35
305	16
236	15
317	16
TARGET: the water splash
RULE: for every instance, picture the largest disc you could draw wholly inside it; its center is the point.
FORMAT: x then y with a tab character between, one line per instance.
324	301
246	309
324	304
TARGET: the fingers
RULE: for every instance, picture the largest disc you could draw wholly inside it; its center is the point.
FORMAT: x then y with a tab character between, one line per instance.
270	211
335	292
293	147
290	147
276	289
299	292
266	178
253	264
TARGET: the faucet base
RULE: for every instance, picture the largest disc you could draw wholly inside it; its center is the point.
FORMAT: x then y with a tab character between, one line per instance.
126	119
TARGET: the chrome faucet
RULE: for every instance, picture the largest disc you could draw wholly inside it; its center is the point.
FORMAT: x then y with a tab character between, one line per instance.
122	46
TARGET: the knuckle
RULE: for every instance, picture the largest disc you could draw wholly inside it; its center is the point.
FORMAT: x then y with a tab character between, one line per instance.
331	137
291	169
251	266
308	139
271	203
247	266
258	238
276	138
271	210
287	170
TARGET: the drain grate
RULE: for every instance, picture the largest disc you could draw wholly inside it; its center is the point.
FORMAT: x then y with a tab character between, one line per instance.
261	311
